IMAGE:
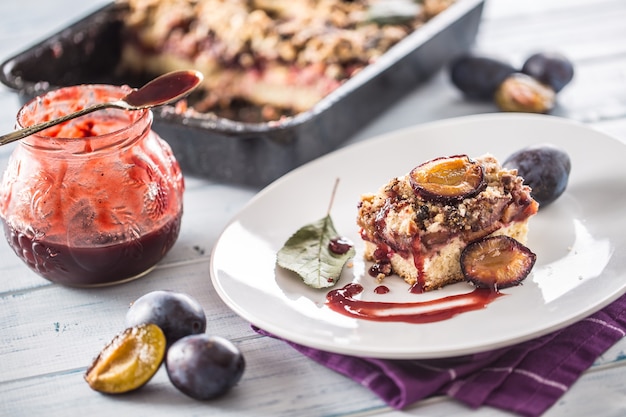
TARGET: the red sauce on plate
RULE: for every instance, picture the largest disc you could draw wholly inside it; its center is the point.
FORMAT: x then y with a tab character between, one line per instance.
343	301
381	289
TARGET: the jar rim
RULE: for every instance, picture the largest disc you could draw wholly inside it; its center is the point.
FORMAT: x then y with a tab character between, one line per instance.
79	96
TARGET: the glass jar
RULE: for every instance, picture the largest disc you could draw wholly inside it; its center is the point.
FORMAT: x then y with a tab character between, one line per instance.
96	200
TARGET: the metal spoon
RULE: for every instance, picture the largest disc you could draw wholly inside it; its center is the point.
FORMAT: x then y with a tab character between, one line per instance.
162	90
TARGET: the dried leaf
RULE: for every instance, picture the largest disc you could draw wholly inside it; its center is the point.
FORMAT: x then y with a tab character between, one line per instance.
307	253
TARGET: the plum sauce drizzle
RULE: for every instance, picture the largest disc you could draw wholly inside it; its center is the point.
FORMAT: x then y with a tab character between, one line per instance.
381	289
343	301
339	245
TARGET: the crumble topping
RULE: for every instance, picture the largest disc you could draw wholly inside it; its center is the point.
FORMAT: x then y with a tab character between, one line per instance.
253	50
397	214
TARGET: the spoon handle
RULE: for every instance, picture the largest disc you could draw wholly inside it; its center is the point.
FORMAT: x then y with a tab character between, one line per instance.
30	130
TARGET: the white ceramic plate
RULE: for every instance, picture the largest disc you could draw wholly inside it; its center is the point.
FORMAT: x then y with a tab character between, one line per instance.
580	242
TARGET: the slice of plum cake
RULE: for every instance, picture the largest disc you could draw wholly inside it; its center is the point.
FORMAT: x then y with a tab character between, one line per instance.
417	225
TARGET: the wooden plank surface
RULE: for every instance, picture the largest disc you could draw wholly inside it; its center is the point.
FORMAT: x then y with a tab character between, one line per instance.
49	333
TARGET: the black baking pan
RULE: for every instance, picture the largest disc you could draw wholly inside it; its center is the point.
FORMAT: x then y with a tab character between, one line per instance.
252	154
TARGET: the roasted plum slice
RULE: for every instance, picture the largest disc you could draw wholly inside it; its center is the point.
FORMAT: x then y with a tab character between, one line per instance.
496	262
129	361
448	179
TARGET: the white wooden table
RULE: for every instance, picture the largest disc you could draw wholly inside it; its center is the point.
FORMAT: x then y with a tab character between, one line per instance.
49	334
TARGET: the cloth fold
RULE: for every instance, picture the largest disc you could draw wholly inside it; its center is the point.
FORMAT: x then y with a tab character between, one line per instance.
527	378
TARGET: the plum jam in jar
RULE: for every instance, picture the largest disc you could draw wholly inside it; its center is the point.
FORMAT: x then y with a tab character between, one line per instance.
96	200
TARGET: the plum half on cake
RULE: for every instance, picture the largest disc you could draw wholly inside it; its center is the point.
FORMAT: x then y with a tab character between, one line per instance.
417	225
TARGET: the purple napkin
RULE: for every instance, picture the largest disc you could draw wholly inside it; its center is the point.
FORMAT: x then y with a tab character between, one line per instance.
527	378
